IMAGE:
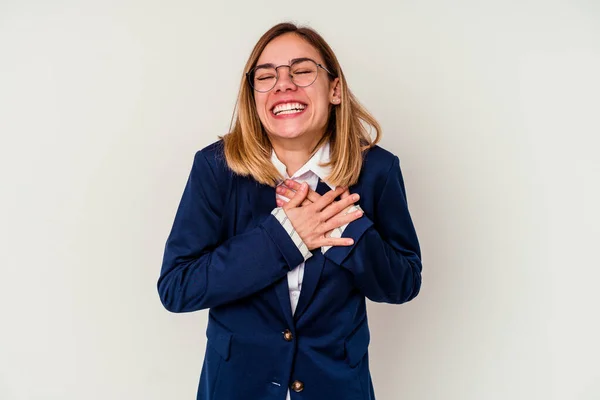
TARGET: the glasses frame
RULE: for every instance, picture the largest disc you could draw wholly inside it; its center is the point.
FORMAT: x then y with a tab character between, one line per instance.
250	74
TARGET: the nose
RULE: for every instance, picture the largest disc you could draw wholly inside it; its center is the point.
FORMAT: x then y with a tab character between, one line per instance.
284	80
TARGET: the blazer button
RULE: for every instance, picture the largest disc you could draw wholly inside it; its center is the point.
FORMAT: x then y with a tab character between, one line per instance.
287	335
297	386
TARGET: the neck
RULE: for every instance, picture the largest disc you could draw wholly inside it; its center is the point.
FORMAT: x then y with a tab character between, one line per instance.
294	153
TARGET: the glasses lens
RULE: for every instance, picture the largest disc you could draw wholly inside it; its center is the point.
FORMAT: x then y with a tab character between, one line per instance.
304	73
264	79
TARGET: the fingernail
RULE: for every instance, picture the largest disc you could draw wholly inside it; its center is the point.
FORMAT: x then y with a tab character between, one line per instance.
349	241
355	197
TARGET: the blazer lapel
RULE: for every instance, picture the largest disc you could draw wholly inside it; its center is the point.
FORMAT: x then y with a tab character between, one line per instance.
262	201
312	273
283	295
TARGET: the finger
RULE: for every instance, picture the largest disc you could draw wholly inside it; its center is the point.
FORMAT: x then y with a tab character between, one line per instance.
329	197
285	191
292	184
343	196
281	203
329	241
289	193
298	197
346	210
341	220
337	206
312	195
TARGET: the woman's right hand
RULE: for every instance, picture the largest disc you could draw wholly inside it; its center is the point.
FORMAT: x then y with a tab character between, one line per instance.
314	221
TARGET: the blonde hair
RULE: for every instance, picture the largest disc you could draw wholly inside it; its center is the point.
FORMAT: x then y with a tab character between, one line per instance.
248	149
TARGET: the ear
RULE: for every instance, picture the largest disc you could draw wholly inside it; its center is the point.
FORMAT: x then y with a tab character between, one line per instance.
335	91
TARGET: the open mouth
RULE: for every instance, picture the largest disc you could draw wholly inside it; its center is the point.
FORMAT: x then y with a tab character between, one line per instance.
288	108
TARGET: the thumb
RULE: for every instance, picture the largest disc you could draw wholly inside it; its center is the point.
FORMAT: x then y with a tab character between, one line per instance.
299	196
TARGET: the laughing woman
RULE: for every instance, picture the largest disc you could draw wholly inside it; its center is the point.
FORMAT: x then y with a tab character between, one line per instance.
286	225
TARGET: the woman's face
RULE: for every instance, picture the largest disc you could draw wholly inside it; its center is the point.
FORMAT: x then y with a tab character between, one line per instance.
309	123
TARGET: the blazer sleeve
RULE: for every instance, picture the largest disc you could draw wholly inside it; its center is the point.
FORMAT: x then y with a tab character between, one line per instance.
202	270
385	258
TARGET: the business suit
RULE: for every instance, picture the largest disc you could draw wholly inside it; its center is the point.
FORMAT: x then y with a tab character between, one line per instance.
228	253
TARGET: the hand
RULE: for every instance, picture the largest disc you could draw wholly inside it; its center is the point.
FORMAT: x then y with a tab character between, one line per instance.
290	187
314	216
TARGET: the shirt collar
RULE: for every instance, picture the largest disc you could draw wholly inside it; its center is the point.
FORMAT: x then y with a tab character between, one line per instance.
321	156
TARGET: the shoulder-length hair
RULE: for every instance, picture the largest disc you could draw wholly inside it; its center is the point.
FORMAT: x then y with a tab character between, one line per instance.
248	149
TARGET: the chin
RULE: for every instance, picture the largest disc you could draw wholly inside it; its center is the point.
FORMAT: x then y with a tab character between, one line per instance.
287	135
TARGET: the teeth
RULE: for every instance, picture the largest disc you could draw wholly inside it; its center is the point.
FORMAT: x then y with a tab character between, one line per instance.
288	112
288	108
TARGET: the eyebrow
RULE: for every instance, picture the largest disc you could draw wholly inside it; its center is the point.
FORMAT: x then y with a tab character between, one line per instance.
302	59
265	66
293	60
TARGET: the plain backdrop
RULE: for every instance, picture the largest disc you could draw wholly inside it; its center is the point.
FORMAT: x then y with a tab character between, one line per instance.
492	106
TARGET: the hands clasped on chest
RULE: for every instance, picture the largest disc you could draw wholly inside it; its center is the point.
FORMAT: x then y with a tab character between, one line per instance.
314	217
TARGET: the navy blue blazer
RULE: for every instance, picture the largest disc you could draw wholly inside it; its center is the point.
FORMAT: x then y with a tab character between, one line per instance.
226	252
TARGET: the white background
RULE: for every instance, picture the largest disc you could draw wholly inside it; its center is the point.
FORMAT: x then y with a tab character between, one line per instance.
492	107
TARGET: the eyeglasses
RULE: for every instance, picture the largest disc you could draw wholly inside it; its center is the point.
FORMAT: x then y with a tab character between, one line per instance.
303	72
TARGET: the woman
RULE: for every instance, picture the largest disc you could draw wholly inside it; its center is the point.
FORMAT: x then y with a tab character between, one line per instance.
286	225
